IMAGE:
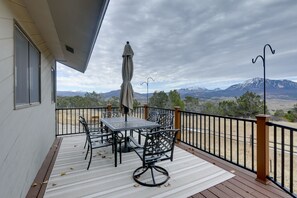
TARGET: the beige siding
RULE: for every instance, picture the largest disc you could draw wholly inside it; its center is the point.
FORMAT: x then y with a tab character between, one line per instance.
26	134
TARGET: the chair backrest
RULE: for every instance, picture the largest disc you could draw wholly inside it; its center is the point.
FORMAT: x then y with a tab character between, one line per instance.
159	145
83	121
166	121
153	116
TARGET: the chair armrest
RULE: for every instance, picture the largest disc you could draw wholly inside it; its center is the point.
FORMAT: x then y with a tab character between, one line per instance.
99	135
96	129
134	143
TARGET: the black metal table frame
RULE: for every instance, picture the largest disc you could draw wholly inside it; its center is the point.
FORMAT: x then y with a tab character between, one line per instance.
118	124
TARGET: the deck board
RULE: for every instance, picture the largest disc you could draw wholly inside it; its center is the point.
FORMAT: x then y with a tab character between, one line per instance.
189	174
244	183
76	181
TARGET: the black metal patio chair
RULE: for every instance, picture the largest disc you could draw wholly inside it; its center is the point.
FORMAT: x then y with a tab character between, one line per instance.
166	121
99	141
153	116
94	132
158	146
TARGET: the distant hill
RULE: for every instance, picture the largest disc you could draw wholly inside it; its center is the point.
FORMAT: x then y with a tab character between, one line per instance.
282	89
275	89
116	93
70	93
278	89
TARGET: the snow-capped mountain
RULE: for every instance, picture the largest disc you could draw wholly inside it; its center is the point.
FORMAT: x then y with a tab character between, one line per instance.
282	89
258	83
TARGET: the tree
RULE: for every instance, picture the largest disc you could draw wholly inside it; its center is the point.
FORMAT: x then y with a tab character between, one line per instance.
191	104
279	113
209	108
114	101
158	99
95	99
249	105
136	103
227	108
295	108
89	100
175	100
291	115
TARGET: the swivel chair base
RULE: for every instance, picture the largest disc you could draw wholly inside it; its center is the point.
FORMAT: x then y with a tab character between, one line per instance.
161	178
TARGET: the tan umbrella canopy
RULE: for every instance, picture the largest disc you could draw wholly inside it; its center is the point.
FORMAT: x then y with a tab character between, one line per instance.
126	97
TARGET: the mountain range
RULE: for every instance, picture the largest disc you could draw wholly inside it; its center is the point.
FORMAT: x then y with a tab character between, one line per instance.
277	89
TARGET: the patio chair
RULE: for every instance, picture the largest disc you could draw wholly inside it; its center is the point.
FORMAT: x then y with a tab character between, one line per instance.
153	116
158	146
94	131
166	121
99	141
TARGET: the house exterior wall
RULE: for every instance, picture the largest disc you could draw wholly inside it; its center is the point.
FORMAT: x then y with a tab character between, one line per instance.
26	134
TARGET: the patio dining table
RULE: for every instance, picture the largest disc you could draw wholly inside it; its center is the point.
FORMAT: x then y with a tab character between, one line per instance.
118	124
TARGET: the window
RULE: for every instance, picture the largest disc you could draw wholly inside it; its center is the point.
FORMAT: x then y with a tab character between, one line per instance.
53	85
27	70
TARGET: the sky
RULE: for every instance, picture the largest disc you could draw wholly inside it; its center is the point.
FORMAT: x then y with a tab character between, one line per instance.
189	44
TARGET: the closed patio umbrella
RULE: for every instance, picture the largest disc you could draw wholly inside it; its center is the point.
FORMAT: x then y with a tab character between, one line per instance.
126	97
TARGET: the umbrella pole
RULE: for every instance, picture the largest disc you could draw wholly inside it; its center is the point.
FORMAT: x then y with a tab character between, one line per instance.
126	149
126	110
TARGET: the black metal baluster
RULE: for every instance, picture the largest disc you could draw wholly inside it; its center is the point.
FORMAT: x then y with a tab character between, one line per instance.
231	140
186	115
291	160
67	112
193	129
62	121
200	131
196	116
244	143
275	153
237	141
225	150
219	137
183	131
208	133
57	122
214	135
80	115
252	144
204	134
283	158
70	121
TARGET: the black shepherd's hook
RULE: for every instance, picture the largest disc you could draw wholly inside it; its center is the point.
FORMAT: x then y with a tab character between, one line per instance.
263	59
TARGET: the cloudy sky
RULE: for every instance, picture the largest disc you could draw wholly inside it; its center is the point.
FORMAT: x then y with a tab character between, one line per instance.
190	43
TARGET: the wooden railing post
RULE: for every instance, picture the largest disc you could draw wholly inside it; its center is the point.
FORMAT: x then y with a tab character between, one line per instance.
177	121
145	115
262	148
109	110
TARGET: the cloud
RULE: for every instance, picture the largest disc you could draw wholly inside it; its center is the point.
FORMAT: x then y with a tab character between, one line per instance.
190	43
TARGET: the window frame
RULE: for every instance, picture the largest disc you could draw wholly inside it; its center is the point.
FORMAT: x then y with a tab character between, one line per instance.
30	103
54	83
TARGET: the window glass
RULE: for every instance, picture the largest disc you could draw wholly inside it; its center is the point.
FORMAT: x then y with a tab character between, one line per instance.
34	75
22	69
27	71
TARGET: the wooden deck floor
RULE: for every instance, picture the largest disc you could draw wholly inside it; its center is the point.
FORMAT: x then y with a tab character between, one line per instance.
70	178
242	185
188	174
